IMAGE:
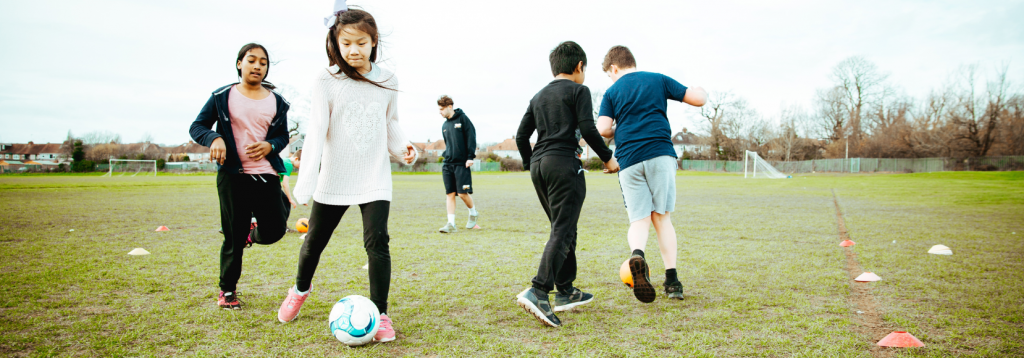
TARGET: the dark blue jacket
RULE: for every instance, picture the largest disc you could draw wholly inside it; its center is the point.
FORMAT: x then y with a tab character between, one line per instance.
216	111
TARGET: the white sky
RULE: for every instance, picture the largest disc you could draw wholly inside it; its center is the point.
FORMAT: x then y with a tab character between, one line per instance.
137	67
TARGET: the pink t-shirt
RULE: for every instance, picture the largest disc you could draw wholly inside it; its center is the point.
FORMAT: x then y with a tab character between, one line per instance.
250	120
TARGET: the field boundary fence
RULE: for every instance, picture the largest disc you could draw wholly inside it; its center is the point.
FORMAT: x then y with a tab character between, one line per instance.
868	165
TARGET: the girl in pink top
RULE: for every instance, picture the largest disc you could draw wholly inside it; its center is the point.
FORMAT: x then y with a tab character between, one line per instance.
251	130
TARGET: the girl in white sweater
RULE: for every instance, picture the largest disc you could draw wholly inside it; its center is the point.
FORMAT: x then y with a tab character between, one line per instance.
353	128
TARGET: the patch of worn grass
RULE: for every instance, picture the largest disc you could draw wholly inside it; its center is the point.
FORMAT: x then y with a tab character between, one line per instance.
758	258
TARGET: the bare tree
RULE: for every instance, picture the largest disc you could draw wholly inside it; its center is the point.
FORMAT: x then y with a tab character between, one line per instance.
860	85
792	121
101	137
724	117
1013	130
976	116
832	116
298	111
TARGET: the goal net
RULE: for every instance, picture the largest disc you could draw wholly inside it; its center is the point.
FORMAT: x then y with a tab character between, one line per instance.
756	167
131	167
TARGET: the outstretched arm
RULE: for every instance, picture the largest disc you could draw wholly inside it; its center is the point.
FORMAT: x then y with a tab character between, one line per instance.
695	96
526	128
605	126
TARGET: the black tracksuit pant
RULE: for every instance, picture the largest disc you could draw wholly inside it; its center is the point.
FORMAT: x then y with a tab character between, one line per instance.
561	189
323	219
243	197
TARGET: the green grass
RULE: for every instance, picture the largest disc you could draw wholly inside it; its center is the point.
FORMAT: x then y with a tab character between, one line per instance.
759	259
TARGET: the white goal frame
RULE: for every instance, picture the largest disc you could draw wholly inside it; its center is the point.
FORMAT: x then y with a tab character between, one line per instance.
110	168
767	170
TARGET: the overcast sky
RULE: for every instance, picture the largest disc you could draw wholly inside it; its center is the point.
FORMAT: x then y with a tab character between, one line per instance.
138	67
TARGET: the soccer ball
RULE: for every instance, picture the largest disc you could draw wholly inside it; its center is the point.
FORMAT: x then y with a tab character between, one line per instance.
625	274
354	320
302	225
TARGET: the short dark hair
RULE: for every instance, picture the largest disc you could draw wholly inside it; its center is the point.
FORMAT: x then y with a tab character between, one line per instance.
620	57
445	101
565	56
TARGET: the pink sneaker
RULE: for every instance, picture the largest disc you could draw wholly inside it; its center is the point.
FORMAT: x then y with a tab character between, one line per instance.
385	333
291	305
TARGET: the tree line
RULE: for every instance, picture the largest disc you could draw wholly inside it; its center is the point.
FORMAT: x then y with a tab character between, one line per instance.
862	112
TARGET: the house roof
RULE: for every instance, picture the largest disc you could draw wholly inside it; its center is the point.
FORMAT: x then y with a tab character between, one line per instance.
190	147
31	148
421	146
685	138
438	145
508	144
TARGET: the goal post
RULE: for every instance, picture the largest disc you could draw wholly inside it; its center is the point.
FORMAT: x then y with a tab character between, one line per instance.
756	167
133	167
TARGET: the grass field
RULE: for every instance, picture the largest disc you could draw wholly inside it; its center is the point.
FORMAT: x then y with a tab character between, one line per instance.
759	259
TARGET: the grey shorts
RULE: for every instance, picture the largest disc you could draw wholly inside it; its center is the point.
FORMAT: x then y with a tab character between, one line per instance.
649	186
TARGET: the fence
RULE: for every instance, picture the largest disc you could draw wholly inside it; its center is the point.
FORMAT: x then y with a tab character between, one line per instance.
436	167
868	165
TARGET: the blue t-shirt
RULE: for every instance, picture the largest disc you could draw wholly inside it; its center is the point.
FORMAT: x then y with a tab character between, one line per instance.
638	102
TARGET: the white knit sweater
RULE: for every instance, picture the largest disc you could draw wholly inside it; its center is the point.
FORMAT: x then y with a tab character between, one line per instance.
353	126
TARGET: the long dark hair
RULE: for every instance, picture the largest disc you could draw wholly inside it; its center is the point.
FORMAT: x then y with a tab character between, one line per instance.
241	54
362	21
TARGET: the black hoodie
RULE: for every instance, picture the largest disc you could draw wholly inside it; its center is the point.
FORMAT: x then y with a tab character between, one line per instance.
459	138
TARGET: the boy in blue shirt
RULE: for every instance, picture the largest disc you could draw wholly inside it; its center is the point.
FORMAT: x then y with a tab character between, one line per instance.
637	105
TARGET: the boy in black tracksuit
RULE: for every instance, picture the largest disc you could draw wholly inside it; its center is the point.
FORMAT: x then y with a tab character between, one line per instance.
460	151
561	113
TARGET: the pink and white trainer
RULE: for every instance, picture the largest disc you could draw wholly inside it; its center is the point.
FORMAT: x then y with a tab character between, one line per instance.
291	305
385	333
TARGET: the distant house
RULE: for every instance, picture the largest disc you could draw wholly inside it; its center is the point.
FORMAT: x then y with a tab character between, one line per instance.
15	155
686	141
589	153
194	151
434	149
294	145
507	149
150	150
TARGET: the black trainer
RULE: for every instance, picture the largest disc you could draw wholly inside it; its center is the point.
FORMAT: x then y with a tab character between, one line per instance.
538	306
576	298
674	290
642	288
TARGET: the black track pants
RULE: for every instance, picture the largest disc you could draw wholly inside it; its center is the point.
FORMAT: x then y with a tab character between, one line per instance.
323	219
243	197
561	188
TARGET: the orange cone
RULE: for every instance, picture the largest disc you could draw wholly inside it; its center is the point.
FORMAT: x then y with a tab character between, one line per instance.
163	228
847	243
900	339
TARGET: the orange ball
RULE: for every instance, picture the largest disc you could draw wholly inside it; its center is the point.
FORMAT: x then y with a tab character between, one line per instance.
302	225
625	274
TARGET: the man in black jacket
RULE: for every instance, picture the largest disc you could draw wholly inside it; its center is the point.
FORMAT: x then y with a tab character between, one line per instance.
460	150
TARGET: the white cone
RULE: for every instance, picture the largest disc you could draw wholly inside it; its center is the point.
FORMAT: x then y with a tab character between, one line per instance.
366	267
138	251
867	277
940	250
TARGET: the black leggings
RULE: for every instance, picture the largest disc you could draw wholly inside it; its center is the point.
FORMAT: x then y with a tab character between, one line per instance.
324	219
243	197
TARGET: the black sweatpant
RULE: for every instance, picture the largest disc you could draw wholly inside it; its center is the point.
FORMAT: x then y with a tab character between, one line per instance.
561	188
243	197
323	219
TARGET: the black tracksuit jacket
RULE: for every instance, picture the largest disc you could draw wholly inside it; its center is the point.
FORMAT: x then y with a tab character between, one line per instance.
459	138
